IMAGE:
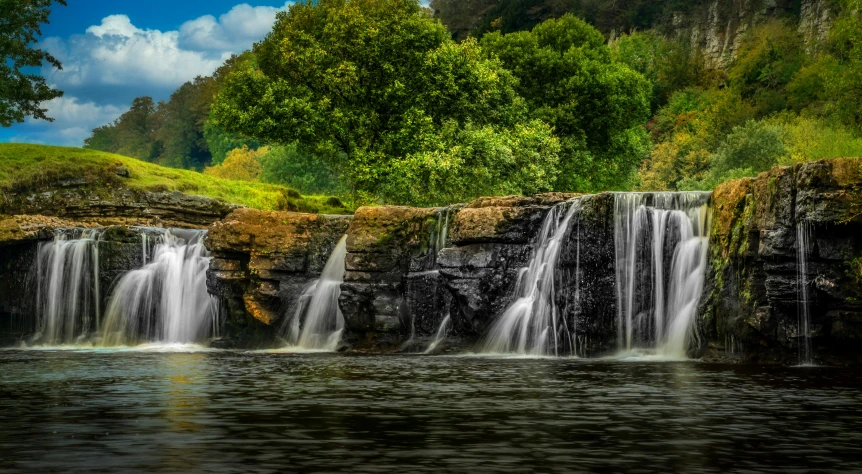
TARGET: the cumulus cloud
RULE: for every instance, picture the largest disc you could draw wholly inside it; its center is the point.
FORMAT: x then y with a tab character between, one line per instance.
233	31
111	63
73	121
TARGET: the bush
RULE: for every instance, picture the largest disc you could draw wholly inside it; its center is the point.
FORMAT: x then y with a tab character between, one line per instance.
241	164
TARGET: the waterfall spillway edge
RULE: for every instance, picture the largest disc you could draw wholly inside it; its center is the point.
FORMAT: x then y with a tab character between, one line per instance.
532	324
166	300
661	242
68	293
317	323
161	299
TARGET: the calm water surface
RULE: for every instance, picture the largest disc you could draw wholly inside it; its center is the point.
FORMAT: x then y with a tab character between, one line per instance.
79	411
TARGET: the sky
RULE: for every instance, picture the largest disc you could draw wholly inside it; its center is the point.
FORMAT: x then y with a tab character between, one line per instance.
113	51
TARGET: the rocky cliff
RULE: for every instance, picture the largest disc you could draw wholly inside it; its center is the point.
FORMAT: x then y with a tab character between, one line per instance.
262	262
752	305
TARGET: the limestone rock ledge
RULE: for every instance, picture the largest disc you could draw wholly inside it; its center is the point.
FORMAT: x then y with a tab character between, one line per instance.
751	303
262	262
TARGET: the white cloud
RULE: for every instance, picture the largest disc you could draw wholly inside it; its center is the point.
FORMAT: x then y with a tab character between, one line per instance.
73	121
233	31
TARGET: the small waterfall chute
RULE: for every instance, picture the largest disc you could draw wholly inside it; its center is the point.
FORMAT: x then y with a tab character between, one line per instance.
442	332
317	323
532	324
165	301
803	234
67	286
661	242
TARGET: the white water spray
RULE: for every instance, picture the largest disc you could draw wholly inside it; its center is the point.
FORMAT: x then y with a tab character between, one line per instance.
803	233
532	324
166	301
318	323
68	293
442	332
657	309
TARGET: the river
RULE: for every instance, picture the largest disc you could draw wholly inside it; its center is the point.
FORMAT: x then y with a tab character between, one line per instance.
181	409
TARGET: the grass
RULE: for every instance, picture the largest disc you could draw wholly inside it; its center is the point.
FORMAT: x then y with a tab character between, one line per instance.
31	167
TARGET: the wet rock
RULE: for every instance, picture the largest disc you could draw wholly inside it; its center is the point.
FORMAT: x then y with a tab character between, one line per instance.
753	295
262	262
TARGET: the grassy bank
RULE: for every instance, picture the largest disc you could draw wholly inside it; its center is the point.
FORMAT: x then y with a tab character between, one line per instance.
25	167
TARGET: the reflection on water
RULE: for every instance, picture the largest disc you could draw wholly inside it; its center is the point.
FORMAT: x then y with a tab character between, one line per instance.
236	411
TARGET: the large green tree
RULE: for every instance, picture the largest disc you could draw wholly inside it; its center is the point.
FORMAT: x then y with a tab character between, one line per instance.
372	86
22	92
597	106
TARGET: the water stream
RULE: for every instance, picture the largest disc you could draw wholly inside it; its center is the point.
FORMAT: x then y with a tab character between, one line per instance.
803	233
166	300
661	242
317	323
67	286
532	324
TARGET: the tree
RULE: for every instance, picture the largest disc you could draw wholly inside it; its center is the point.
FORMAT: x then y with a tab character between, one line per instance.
22	93
597	106
133	134
362	84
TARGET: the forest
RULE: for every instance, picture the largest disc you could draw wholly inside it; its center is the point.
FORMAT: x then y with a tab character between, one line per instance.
383	101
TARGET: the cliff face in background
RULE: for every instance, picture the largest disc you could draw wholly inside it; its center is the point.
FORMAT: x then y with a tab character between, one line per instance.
714	26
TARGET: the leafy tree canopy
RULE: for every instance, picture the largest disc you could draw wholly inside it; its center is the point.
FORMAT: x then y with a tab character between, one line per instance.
596	105
21	93
370	85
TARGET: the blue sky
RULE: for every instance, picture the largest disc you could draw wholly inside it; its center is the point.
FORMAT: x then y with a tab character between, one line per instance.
114	51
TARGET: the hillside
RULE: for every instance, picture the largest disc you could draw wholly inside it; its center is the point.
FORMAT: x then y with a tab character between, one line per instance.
31	167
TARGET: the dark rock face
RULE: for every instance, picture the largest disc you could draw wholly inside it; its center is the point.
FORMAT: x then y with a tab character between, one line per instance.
586	277
752	299
262	262
392	292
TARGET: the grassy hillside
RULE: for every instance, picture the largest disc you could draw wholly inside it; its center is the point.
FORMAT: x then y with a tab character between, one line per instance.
31	166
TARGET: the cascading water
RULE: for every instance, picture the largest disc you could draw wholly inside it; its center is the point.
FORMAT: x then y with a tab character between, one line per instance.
661	242
442	332
68	294
803	232
532	325
165	301
318	323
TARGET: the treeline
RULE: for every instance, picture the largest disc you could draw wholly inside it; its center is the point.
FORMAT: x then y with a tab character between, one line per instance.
373	100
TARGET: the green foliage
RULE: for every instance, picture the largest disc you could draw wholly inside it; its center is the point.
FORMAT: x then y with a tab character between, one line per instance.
670	65
241	164
21	93
176	133
474	161
766	62
133	134
746	151
220	143
363	84
597	106
290	166
32	166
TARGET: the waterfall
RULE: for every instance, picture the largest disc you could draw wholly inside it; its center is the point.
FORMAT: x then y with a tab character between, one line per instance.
532	324
68	295
442	331
661	242
317	323
166	300
803	233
